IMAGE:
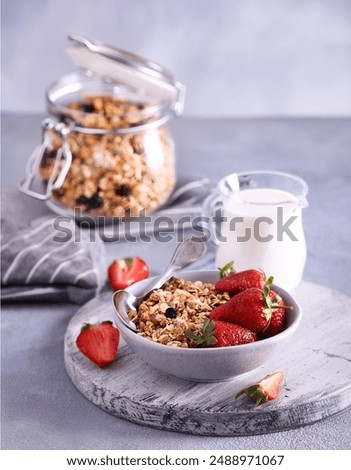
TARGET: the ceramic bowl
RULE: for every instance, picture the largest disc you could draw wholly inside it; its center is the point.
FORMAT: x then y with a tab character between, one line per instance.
205	364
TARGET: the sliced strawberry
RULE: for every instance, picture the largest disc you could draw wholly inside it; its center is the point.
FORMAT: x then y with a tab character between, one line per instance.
99	342
266	389
240	281
219	334
125	272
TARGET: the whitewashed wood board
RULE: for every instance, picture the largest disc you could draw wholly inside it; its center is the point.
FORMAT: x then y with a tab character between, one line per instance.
316	363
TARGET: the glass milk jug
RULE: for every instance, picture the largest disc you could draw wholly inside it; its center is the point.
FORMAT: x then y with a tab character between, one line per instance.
261	224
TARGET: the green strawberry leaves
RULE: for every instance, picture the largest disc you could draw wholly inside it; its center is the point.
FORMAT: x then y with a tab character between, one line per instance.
255	394
206	337
226	270
272	304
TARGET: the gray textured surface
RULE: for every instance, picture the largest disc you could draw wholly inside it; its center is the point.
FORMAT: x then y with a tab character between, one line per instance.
321	349
40	406
237	58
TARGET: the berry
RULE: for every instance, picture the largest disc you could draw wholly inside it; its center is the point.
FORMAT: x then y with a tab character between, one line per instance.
87	107
228	334
125	272
252	308
171	312
237	282
48	157
123	190
277	323
99	342
221	334
82	200
266	389
93	202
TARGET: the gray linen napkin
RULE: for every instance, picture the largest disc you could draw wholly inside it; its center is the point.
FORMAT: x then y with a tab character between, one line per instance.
38	263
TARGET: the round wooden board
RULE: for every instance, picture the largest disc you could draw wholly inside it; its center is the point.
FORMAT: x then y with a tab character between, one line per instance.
316	363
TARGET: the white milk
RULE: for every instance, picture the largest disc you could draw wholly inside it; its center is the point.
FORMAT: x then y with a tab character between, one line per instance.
280	256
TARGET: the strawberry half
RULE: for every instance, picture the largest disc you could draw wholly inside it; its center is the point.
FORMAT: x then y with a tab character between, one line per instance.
99	342
266	389
125	272
253	308
218	334
235	282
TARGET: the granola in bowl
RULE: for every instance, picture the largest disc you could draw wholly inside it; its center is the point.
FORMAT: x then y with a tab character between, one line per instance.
180	305
192	361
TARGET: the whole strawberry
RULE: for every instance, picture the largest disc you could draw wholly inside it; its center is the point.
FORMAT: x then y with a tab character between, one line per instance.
278	319
124	272
99	342
235	282
218	334
266	389
252	308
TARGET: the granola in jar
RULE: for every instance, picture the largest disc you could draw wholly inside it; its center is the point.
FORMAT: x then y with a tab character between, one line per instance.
122	157
106	148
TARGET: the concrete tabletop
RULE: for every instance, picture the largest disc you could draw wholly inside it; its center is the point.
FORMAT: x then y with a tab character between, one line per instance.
41	409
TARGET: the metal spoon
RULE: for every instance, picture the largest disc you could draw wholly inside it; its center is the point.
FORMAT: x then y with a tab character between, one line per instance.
187	252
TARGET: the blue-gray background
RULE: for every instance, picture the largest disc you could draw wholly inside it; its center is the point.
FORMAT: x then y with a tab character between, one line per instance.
237	57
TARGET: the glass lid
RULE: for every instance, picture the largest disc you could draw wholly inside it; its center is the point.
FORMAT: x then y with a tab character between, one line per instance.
128	69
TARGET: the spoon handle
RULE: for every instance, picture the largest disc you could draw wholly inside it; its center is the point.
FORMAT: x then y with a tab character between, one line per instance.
186	253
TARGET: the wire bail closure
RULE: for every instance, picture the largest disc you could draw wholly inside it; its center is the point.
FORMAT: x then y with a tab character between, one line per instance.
62	162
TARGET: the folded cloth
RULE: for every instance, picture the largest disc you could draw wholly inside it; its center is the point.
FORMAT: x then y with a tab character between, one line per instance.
42	260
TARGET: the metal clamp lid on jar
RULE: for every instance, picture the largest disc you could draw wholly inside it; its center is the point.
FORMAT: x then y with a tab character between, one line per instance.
115	65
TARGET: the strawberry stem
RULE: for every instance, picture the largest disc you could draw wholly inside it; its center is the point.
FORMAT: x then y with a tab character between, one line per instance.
226	270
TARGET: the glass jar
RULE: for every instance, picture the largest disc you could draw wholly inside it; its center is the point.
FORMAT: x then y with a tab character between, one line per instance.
106	148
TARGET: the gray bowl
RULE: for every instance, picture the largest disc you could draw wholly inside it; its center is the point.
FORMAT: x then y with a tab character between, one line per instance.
205	364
